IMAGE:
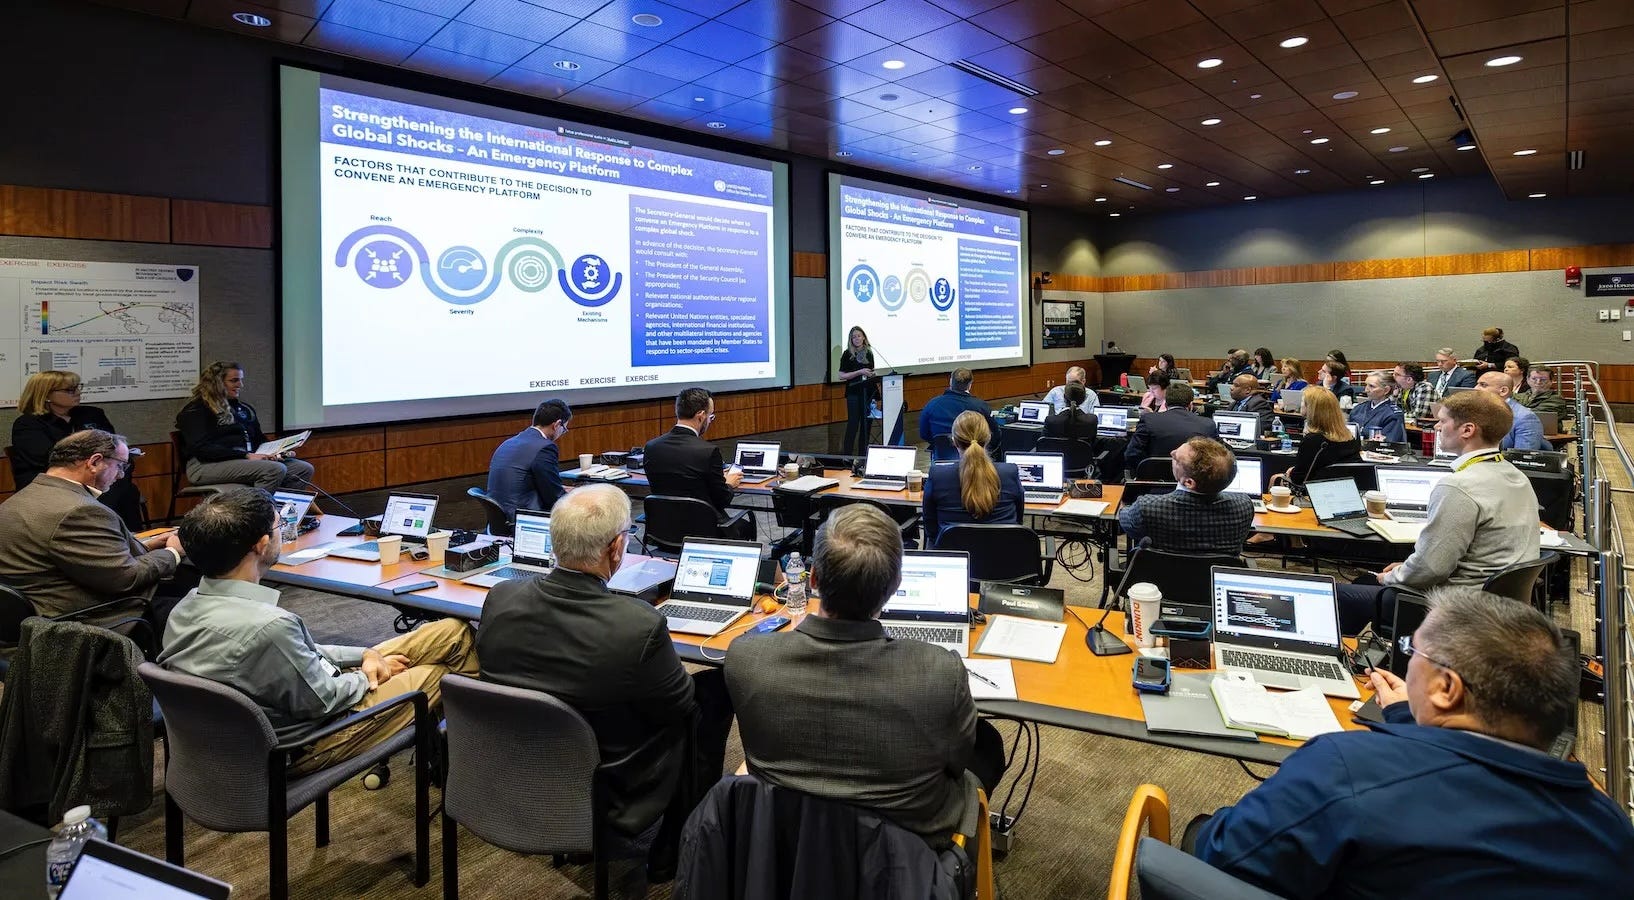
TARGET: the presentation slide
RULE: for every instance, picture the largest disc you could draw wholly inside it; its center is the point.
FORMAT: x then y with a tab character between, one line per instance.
936	282
446	258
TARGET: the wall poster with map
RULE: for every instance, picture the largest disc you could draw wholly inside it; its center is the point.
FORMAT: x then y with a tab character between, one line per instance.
131	330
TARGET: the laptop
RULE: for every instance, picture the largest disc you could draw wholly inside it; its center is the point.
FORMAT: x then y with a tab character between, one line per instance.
1442	457
714	585
1237	429
1112	421
1180	373
1137	383
1291	400
407	515
1338	504
1250	478
107	871
301	500
1225	391
1407	490
1281	627
530	553
758	461
932	603
1550	422
1033	412
1043	476
1355	429
887	468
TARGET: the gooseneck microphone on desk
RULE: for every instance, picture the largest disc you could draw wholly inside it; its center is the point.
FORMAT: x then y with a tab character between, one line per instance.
1100	641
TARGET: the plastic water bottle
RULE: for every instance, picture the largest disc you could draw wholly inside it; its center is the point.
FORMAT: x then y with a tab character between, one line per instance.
1287	442
77	828
794	577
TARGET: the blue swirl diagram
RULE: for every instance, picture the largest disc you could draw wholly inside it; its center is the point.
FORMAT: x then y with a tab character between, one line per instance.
530	264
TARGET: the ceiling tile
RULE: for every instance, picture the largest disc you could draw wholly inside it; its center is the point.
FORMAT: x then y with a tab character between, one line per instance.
362	44
900	20
838	42
470	40
717	40
1025	18
602	42
515	18
776	19
383	18
673	62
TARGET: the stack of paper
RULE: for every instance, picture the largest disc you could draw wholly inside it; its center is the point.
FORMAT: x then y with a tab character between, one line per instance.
1245	704
1089	509
808	484
1396	532
1018	638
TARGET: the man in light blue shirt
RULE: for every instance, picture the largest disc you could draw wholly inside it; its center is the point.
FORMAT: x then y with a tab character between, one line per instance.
1527	432
1057	397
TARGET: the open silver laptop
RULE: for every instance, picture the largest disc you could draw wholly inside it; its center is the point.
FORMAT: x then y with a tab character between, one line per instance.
1043	476
1442	457
1180	373
1033	412
1407	490
1224	388
530	553
1112	421
1137	383
1338	504
887	468
1250	478
758	460
932	604
1282	627
714	585
300	500
1237	429
407	515
1291	400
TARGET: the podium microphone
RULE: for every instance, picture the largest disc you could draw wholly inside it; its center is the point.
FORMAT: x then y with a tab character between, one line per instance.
1100	641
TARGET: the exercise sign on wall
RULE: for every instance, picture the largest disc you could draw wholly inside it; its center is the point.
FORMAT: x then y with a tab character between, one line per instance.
131	330
1063	324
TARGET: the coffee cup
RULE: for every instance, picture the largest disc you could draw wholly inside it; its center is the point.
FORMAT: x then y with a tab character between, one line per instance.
1146	604
586	460
916	481
437	546
391	549
1375	501
1282	496
791	470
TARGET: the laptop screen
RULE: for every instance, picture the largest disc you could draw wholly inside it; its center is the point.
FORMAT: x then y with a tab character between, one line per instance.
931	583
758	457
1112	420
1250	478
1039	471
718	569
1225	391
1137	383
106	872
1335	497
1236	426
1291	400
408	514
1256	603
1409	487
1034	413
532	535
890	462
301	500
1180	373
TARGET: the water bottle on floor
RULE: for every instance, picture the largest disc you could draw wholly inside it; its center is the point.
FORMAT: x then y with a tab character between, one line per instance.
77	828
794	576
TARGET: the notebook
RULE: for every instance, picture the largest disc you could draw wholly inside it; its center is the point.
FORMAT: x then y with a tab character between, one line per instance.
887	468
758	461
407	515
530	554
932	602
1033	412
1282	627
1237	429
1245	704
1042	476
714	585
1112	421
1250	479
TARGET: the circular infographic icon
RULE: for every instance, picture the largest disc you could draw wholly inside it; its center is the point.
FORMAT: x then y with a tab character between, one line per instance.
593	283
863	283
918	284
384	264
941	294
890	293
529	270
462	268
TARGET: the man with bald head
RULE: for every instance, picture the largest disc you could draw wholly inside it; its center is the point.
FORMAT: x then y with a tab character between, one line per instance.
1527	432
1246	396
1057	397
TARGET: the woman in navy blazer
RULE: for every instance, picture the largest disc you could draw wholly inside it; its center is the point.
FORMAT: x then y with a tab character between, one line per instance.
974	489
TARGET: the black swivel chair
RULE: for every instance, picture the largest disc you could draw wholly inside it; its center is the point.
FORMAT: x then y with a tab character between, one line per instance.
797	512
178	469
14	608
671	520
905	517
1365	474
499	523
1155	468
942	448
1007	553
1079	458
1518	581
1182	577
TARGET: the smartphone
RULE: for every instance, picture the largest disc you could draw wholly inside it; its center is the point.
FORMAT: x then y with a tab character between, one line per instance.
1151	675
768	625
1193	629
411	588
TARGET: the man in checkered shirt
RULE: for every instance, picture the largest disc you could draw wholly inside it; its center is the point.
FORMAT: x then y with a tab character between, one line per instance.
1197	517
1417	398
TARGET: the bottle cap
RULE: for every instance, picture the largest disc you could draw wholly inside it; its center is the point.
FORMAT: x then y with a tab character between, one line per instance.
76	815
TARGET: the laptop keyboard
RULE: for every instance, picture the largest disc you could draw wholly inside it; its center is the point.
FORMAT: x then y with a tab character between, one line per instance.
699	613
1289	665
869	485
930	635
1051	497
511	572
1409	515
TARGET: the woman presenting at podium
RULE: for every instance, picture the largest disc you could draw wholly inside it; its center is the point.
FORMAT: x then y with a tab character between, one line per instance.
857	371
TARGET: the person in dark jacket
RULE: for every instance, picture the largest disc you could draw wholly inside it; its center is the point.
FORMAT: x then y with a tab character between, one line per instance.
974	489
525	470
1159	434
48	411
683	464
610	657
857	371
938	415
1327	439
221	432
1494	350
1072	422
1377	412
1456	795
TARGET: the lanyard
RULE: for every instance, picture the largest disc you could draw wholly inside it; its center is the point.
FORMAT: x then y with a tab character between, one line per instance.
1490	457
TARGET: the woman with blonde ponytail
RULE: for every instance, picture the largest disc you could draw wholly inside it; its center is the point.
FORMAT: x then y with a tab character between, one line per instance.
972	489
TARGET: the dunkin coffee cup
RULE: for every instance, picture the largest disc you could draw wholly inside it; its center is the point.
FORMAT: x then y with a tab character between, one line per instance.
916	481
1282	496
1375	501
1145	604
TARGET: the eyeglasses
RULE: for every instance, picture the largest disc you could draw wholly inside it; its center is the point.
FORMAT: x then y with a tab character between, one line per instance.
1405	642
124	464
67	390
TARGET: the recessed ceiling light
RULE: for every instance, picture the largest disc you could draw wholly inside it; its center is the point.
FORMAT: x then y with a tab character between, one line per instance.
568	65
1375	181
251	19
1100	199
1171	190
1425	79
1255	96
1427	175
1209	63
1010	190
1103	142
1497	61
1165	165
1421	169
1345	95
1527	152
1113	215
842	153
697	99
1018	110
1306	131
1251	197
1398	149
1055	152
646	20
975	168
893	64
889	98
1302	171
1538	196
1211	121
715	124
1293	42
1380	131
1319	140
1469	146
1212	184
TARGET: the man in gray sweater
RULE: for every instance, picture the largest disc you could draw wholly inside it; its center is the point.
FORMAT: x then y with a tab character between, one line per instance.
1483	517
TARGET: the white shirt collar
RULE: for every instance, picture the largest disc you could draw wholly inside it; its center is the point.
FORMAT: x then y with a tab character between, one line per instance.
686	426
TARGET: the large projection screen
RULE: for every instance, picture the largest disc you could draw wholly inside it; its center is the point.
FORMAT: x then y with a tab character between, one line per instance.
937	282
444	258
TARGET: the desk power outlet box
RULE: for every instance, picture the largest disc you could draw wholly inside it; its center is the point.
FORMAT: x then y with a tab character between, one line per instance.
470	557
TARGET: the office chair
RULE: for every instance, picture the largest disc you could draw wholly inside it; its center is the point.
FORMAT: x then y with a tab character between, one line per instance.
671	520
1079	458
1365	474
498	522
905	517
942	448
178	467
1165	872
1148	810
1008	553
1155	468
1183	577
1518	581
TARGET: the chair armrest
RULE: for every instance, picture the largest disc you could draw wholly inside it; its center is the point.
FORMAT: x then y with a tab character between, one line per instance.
1048	559
422	711
91	610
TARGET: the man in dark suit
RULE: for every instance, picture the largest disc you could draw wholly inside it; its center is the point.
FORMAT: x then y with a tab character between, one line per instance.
525	471
938	415
1158	434
683	464
1196	517
838	710
1449	374
609	656
67	552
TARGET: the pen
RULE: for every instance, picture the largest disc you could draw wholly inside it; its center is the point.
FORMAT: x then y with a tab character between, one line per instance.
983	679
